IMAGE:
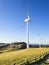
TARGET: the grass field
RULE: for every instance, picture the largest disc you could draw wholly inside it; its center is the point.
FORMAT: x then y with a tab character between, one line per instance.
18	57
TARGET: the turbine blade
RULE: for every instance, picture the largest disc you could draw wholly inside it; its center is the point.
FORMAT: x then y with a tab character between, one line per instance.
27	10
22	26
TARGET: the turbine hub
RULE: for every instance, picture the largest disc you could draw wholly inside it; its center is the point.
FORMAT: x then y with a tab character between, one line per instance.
27	20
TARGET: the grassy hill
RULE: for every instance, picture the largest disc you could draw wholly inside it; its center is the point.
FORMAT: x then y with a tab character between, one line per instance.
20	56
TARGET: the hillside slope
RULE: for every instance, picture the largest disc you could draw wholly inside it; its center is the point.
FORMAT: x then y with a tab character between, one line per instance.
16	45
18	57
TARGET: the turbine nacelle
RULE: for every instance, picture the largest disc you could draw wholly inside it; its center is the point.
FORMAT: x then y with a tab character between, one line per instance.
27	20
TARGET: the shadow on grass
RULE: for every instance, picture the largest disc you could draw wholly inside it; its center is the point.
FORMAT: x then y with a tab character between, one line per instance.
39	62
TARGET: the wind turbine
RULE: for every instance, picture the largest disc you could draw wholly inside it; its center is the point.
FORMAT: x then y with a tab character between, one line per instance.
27	20
27	27
39	41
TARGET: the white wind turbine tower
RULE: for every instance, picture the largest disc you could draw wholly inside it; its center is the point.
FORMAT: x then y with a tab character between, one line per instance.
39	41
27	28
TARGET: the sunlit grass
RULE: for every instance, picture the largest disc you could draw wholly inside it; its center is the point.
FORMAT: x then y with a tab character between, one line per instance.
18	57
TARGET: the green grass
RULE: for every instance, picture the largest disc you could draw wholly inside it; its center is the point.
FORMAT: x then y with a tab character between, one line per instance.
18	57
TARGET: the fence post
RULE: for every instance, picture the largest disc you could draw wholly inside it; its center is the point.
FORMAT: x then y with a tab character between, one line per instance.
35	59
40	56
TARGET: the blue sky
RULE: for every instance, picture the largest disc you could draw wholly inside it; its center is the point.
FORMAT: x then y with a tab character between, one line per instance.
13	14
